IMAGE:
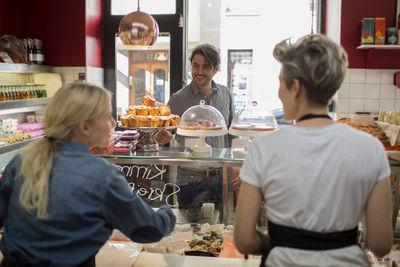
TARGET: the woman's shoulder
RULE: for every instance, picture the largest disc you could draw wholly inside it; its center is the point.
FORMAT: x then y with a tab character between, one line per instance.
86	164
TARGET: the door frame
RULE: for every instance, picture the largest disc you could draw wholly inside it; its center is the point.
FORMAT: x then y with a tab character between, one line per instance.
174	24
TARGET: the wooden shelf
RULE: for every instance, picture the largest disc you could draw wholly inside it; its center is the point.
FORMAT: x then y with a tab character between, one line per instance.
371	48
380	47
17	145
22	106
24	68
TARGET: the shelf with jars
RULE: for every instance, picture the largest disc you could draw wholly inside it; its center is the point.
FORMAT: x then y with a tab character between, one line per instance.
13	92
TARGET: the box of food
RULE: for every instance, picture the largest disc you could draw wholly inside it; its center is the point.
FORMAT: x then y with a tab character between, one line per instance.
380	31
367	31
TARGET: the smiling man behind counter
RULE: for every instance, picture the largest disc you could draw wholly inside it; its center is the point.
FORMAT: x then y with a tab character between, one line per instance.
199	185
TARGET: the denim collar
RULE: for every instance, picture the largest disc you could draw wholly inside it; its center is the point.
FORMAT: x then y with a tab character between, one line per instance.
74	146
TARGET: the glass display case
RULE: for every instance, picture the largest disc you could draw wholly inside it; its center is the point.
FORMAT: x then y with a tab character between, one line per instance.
153	175
253	121
202	121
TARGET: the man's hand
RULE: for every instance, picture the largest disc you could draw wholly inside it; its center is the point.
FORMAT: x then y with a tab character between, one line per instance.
235	176
162	137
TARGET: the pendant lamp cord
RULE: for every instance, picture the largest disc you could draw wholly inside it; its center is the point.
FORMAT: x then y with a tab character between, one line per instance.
312	16
138	5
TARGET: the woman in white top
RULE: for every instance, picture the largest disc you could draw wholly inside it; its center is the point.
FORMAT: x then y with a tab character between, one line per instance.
317	178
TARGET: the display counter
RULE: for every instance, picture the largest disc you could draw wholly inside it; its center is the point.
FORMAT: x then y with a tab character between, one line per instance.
162	167
168	260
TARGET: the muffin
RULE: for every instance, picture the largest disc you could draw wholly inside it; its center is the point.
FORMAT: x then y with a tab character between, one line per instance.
131	110
154	121
133	121
165	120
144	121
142	110
125	119
174	120
164	110
154	111
148	100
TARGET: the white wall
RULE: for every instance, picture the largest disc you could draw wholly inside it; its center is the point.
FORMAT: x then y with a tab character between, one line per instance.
260	25
363	90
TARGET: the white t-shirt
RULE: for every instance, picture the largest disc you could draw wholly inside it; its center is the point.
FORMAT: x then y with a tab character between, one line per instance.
316	179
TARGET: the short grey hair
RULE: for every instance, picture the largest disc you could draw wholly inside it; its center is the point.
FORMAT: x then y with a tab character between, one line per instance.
317	62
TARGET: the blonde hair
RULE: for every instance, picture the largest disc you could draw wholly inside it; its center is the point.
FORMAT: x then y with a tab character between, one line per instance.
72	104
317	62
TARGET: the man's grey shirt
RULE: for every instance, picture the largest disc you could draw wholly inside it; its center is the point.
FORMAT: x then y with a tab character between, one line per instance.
190	95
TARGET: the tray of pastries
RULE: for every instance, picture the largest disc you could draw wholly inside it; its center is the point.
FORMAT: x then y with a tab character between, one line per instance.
372	128
148	115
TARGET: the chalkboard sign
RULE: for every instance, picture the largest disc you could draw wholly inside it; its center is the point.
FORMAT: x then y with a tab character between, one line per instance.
152	182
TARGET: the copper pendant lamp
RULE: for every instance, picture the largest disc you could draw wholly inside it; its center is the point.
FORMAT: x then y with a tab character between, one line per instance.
138	29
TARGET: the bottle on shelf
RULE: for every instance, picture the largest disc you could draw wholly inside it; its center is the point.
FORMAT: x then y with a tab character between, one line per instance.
24	92
1	93
43	90
39	56
31	51
14	93
32	91
21	91
37	91
5	93
10	96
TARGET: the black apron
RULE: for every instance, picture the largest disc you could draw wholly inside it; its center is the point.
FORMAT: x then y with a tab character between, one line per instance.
284	236
9	263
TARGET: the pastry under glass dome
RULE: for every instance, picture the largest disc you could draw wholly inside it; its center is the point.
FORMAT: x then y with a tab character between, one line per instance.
253	121
202	121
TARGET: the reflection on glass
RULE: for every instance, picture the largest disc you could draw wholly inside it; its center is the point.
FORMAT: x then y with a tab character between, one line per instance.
139	87
159	85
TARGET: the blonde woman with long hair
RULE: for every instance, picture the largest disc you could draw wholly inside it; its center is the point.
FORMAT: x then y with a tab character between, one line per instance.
58	203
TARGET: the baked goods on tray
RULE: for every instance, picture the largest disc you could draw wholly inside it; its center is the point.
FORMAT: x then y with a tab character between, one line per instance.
206	125
148	115
371	128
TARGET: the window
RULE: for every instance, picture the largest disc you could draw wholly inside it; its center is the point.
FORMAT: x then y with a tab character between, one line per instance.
142	71
123	7
249	33
240	71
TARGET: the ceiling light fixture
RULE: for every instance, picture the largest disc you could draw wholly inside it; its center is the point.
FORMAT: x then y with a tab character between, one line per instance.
138	29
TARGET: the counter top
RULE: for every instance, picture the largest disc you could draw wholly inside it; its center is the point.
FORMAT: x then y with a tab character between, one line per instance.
182	156
169	260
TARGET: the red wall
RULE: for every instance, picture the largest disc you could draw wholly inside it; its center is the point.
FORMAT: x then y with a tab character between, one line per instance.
352	13
9	24
94	33
64	26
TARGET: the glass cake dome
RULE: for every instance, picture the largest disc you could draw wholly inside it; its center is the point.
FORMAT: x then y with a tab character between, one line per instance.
202	120
253	120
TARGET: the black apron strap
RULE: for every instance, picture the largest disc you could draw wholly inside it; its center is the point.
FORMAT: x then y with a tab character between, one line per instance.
9	263
284	236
